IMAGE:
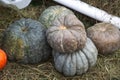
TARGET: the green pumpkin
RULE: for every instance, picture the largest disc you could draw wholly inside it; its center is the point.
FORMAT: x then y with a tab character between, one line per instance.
105	36
49	14
66	34
76	63
24	41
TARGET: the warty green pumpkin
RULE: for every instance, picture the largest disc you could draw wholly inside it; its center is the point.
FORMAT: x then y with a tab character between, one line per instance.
105	36
76	63
66	34
49	14
24	41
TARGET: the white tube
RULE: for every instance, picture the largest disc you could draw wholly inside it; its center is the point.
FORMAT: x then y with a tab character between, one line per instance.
19	4
91	11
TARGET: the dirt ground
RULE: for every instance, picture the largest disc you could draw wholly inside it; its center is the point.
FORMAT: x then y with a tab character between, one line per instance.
106	68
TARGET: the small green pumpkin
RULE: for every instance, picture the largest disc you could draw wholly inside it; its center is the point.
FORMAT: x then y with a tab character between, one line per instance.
66	34
105	36
24	41
49	14
76	63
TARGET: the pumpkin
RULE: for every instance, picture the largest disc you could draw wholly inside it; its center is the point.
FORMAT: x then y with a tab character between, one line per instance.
3	59
66	34
76	63
49	14
24	41
105	36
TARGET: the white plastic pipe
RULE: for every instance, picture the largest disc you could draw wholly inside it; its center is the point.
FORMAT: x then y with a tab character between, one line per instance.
91	11
15	4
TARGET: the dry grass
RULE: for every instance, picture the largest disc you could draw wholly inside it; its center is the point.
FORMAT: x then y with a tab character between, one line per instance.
107	67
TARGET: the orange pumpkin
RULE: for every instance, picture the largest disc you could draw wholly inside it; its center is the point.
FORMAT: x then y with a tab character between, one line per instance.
3	59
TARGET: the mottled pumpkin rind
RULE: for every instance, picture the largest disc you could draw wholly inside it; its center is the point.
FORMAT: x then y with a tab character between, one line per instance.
68	39
28	45
50	14
76	63
54	16
105	36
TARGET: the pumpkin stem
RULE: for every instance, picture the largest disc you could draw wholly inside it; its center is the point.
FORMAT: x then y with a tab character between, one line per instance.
102	29
63	27
24	29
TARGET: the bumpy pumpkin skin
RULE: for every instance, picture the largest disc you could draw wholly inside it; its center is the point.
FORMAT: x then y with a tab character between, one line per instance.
24	41
78	62
105	36
67	34
49	14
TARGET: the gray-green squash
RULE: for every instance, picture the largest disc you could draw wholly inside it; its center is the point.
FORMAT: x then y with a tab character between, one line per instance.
105	36
24	41
49	14
76	63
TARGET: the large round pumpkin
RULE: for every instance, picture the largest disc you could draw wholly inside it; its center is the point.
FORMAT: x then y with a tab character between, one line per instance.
49	14
105	36
66	34
76	63
25	41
